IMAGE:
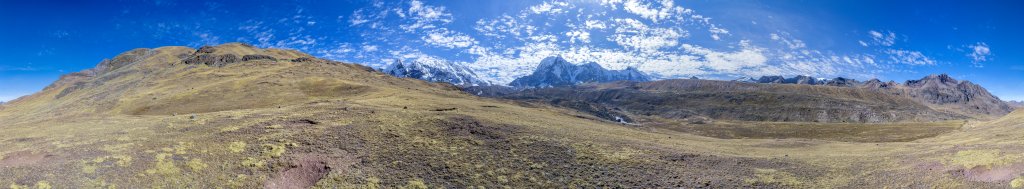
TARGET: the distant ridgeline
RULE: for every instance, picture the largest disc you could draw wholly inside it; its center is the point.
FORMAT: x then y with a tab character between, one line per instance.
771	98
619	95
551	72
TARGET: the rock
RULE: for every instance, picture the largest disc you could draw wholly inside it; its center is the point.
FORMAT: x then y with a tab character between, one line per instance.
212	60
698	120
303	59
842	82
258	57
803	80
206	49
771	79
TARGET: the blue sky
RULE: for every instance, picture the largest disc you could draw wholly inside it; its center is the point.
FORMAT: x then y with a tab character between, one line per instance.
501	40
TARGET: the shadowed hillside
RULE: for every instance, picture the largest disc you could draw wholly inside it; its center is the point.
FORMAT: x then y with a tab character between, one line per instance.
176	117
688	98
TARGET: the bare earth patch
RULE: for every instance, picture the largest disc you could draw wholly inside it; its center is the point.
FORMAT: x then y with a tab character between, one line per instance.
994	174
306	169
23	158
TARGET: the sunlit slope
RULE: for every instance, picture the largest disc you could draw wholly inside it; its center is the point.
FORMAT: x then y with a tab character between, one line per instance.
157	82
168	120
160	119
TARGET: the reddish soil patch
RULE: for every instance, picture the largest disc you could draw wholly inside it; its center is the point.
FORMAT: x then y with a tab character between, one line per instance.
994	174
23	158
977	174
306	170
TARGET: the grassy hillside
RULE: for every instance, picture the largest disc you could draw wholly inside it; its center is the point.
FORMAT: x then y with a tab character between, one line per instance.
156	122
725	100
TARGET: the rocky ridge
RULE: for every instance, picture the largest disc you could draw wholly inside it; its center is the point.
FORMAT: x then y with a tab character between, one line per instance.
556	71
435	72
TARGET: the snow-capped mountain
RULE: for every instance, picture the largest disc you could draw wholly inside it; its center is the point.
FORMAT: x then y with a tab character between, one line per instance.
435	71
806	80
555	71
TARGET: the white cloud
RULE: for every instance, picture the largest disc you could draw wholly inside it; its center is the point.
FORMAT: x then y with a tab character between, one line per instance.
979	53
883	39
341	52
370	48
634	34
650	12
729	62
503	27
785	39
909	57
581	36
552	8
595	24
649	35
544	38
425	16
449	39
357	18
716	32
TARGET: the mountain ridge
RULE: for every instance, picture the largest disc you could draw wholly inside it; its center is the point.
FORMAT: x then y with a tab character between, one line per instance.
556	71
435	72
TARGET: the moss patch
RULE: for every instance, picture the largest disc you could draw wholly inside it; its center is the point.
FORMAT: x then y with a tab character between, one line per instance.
164	165
237	147
196	165
774	177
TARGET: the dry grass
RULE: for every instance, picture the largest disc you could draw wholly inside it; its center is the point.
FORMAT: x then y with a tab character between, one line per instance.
164	125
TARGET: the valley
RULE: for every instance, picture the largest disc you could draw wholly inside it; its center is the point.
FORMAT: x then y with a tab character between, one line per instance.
177	117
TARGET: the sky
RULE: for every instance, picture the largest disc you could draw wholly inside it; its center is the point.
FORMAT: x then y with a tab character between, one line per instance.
979	41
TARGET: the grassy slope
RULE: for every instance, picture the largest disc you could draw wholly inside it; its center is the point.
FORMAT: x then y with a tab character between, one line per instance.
683	98
279	123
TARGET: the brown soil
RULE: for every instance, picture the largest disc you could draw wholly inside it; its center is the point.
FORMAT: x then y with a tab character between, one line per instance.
23	158
994	174
306	169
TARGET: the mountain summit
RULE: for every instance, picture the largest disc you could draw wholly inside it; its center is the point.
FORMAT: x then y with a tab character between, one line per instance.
950	94
556	71
435	71
940	91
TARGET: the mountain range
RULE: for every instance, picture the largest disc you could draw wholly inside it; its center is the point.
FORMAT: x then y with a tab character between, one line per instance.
552	71
940	91
556	71
435	71
238	116
798	99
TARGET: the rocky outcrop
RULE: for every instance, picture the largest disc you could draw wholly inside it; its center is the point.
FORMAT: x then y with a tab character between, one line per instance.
555	71
205	55
212	60
948	93
222	55
771	79
303	59
121	60
252	57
